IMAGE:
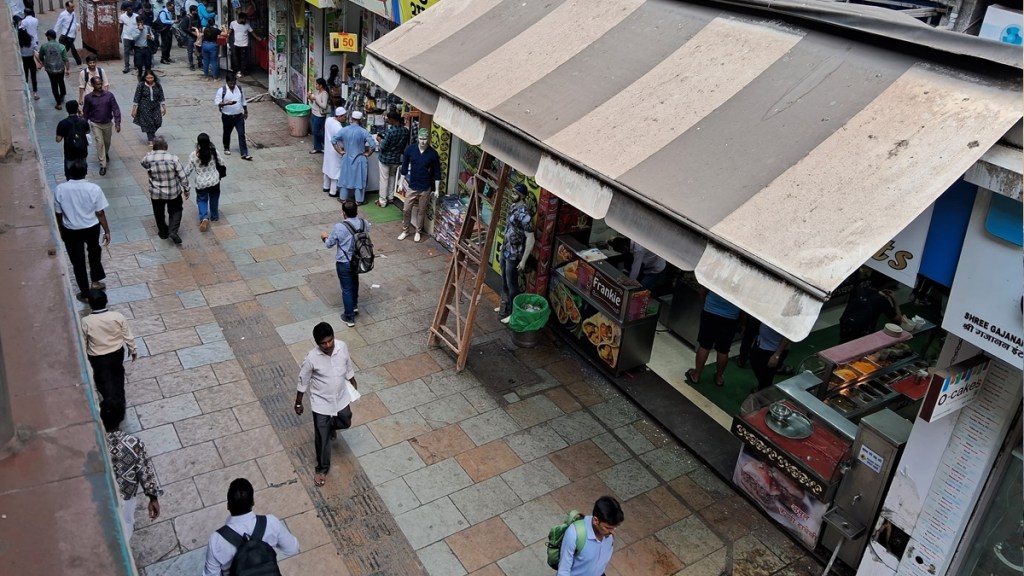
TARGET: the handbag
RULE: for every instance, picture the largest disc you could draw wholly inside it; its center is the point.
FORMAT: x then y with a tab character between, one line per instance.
222	170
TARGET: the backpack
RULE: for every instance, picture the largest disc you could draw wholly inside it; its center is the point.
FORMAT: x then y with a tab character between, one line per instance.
362	252
24	38
53	58
85	72
253	556
557	534
77	141
159	26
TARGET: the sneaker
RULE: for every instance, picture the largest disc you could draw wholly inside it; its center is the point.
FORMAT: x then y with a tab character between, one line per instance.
175	238
192	68
238	74
416	238
382	203
403	235
355	310
246	157
81	297
204	224
506	319
350	322
162	235
227	152
98	286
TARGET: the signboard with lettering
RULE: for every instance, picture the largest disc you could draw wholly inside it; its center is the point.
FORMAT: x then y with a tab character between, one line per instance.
605	290
405	10
953	388
985	301
344	42
900	259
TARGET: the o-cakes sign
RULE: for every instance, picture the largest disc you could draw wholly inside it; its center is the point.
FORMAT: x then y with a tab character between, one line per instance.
953	388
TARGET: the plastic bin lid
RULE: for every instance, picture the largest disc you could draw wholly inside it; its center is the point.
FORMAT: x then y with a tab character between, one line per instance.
298	109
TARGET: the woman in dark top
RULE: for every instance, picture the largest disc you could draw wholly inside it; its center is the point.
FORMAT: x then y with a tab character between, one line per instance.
148	107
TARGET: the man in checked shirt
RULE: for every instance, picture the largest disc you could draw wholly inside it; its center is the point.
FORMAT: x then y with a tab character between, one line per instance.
132	468
167	184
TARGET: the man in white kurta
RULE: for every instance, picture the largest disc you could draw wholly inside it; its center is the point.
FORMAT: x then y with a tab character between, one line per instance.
326	373
332	160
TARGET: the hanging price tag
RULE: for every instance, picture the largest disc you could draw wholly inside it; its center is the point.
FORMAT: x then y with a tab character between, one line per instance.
344	42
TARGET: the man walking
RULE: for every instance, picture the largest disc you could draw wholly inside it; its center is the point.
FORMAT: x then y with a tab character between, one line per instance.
719	321
241	32
343	236
519	241
597	550
54	58
226	541
165	27
128	26
356	146
86	75
67	26
326	373
80	206
189	24
132	469
421	173
143	53
73	132
233	114
106	335
102	112
167	184
392	145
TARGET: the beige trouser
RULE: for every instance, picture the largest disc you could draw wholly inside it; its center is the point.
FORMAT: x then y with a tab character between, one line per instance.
388	181
415	208
101	137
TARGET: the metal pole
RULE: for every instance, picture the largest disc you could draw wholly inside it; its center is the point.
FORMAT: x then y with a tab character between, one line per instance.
832	560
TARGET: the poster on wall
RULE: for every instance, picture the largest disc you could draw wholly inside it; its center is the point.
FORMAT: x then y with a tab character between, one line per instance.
900	259
405	10
985	301
780	497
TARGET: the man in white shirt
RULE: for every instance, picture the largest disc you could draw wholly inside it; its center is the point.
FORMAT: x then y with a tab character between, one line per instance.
233	114
31	25
241	31
91	69
326	373
80	209
243	521
598	545
127	27
67	30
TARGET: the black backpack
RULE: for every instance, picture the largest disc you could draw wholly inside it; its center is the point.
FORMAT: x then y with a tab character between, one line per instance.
362	251
24	38
77	142
253	556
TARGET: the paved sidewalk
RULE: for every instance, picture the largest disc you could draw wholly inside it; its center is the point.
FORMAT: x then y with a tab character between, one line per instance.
441	473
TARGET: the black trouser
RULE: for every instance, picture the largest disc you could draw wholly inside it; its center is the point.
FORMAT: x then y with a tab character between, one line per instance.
323	425
173	206
77	243
67	164
29	64
750	328
69	45
765	374
165	44
60	90
234	122
108	372
240	59
143	59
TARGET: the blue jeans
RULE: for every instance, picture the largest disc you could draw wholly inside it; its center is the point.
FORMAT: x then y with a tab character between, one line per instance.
211	60
234	122
346	194
349	279
509	284
318	131
208	201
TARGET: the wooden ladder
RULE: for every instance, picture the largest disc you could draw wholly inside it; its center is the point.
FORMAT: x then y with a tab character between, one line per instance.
461	292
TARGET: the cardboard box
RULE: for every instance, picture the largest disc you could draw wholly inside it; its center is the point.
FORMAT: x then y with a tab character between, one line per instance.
1003	24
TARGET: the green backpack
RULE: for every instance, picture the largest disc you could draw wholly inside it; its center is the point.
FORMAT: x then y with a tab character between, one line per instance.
557	534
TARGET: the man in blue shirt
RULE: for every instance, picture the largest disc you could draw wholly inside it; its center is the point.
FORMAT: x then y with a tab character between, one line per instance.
597	549
421	171
718	323
355	145
348	275
164	26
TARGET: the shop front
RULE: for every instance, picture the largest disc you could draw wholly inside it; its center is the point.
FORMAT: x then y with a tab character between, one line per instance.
691	149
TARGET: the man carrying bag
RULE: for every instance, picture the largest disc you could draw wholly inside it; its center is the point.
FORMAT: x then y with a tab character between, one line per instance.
67	26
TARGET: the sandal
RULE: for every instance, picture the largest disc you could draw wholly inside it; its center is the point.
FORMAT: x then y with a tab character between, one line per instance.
720	382
691	377
319	479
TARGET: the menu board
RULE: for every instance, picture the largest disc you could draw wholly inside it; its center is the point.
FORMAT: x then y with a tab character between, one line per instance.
966	463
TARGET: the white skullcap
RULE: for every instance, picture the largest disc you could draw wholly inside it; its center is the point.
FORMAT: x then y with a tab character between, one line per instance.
357	115
340	111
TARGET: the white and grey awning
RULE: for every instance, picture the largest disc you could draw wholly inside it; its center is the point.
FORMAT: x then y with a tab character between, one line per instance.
772	157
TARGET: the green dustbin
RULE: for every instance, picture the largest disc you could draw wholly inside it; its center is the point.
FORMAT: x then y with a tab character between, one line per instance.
530	313
298	119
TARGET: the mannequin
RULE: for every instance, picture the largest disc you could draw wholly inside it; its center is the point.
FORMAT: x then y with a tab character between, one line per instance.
519	241
420	175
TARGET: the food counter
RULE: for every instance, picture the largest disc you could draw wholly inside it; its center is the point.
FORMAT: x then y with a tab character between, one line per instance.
612	317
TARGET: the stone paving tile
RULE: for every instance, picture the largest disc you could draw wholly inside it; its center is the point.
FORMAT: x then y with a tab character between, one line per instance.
172	340
633	439
228	371
187	563
186	381
360	440
577	427
320	560
643	518
226	293
178	498
690	539
442	444
671	462
581	460
534	479
390	463
485	499
206	427
668	503
168	410
406	396
611	447
628	479
489	460
247	445
368	409
489	426
533	411
448	382
439	560
193	317
159	440
732	518
142	392
153	543
526	560
531	521
751	557
397	496
187	462
535	442
483	543
224	396
581	494
152	366
649	557
192	299
437	480
213	486
209	333
398	427
431	522
309	529
147	325
205	354
277	468
130	293
480	398
411	368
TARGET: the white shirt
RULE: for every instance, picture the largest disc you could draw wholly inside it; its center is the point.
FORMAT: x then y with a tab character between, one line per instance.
219	553
241	33
79	201
67	24
325	378
129	26
225	94
31	25
100	72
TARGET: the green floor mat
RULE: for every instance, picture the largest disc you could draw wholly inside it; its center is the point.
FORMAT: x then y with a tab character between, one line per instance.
377	215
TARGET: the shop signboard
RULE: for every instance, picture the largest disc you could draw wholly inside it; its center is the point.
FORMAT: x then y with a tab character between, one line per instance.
900	259
780	497
985	301
405	10
344	42
953	388
605	291
598	334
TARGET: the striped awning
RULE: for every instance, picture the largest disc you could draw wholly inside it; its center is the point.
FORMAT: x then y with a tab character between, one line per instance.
771	157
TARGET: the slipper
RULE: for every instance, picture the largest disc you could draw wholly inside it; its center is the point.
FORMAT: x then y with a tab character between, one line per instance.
691	377
319	479
720	382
